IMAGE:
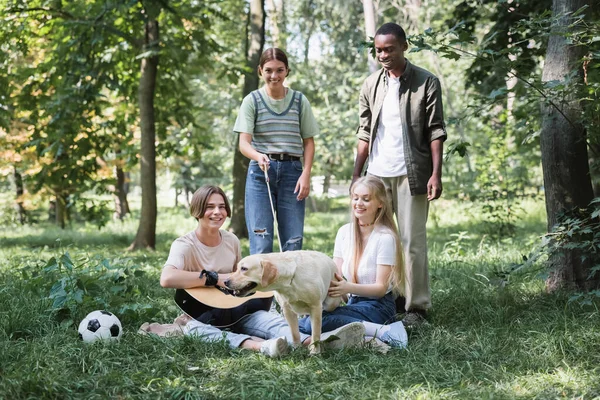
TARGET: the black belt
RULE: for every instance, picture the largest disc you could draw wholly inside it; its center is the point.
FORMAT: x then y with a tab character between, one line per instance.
283	157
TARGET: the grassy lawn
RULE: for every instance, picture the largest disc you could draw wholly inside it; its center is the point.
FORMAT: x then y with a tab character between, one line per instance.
489	337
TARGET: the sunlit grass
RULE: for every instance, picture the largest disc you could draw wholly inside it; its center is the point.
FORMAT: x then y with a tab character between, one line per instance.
491	335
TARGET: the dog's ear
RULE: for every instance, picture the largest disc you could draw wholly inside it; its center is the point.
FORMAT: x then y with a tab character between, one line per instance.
269	273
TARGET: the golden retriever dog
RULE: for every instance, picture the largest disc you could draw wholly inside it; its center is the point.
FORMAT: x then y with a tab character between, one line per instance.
300	280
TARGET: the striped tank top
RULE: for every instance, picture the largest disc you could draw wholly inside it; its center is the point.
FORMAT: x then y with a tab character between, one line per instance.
276	133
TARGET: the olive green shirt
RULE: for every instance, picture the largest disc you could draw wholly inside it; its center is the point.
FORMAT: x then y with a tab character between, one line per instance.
421	115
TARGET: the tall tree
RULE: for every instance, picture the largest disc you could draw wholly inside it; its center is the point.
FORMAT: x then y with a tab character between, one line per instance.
567	181
22	214
276	11
76	87
146	233
255	43
370	23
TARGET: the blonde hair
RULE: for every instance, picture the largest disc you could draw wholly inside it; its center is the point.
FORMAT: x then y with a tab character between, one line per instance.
384	217
200	198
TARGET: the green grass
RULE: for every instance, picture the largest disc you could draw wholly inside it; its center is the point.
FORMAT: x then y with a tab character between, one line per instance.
490	337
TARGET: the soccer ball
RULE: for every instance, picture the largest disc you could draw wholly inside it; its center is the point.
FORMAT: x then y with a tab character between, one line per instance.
100	325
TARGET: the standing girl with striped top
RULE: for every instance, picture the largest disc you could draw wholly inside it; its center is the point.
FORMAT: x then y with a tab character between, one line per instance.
276	127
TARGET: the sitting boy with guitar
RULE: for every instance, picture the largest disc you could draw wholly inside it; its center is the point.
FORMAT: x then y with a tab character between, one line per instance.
200	261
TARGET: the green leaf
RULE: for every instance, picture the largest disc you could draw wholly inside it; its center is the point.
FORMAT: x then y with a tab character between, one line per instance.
451	55
497	93
553	83
57	290
118	289
59	302
65	260
51	265
78	296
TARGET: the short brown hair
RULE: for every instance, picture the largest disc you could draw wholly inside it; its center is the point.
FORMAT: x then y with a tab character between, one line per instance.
200	198
273	54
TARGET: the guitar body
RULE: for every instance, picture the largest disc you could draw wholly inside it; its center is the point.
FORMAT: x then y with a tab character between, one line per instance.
216	307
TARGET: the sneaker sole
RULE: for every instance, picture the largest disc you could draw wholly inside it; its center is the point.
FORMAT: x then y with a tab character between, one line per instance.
347	336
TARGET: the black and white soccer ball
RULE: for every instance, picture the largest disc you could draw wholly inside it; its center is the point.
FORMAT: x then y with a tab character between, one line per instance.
100	325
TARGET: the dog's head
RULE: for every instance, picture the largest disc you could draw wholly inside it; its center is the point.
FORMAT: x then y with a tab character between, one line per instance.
253	273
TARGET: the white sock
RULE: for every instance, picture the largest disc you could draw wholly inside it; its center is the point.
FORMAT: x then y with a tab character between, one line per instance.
375	330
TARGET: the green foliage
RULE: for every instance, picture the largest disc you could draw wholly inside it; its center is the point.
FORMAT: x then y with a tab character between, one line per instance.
576	229
75	287
74	76
514	39
457	246
330	79
501	181
95	211
504	110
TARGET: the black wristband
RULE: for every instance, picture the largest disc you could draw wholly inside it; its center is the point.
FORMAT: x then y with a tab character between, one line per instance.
211	277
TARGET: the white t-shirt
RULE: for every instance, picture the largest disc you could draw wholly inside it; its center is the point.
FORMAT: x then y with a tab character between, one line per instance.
190	254
387	156
380	250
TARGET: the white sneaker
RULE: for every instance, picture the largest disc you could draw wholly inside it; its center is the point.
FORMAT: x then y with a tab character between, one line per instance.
396	335
351	335
275	347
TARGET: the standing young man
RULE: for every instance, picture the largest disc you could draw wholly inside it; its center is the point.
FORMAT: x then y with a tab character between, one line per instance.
401	133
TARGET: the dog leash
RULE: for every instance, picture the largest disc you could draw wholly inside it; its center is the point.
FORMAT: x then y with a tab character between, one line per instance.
275	224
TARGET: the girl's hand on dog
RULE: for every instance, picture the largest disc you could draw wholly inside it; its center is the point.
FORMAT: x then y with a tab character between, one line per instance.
338	287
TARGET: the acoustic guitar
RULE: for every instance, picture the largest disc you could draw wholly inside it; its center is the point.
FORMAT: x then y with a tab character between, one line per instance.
216	306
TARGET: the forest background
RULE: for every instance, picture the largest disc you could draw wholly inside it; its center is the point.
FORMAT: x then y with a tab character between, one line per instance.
108	97
104	104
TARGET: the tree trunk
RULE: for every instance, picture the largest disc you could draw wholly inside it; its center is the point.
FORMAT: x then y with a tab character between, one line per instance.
308	16
146	233
254	46
120	196
277	17
567	180
326	184
370	22
60	209
21	213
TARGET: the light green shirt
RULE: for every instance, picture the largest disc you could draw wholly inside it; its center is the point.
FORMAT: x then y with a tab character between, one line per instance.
245	119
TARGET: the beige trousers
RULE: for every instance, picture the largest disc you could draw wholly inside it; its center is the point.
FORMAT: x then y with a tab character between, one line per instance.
411	217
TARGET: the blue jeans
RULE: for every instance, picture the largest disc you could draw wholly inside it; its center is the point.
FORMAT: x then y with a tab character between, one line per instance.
358	309
262	324
283	177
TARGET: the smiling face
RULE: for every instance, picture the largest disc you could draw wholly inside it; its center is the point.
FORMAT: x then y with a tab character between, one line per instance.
364	205
215	213
390	53
273	73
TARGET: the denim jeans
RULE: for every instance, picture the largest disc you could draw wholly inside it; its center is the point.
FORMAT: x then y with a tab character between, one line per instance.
262	324
379	311
283	177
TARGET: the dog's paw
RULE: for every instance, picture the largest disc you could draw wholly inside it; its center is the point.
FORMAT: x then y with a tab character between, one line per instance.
315	348
296	345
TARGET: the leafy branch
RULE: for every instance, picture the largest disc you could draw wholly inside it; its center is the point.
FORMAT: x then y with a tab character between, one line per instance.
72	19
450	45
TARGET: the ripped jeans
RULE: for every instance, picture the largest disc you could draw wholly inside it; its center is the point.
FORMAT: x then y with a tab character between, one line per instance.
283	177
